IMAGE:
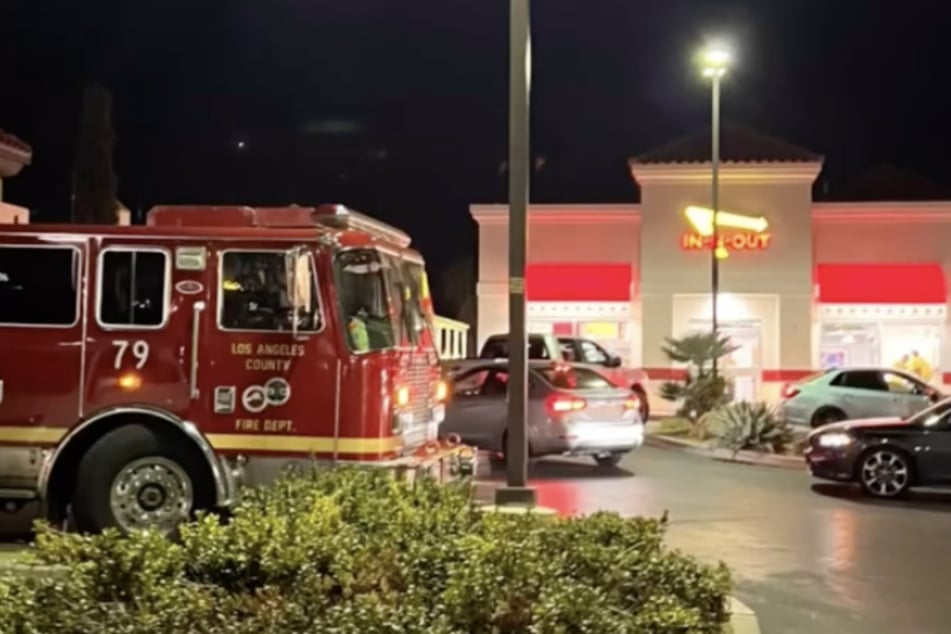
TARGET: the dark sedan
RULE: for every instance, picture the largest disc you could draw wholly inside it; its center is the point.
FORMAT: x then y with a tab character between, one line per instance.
886	456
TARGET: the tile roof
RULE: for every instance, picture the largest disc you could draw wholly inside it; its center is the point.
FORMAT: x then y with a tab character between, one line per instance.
738	144
10	142
888	183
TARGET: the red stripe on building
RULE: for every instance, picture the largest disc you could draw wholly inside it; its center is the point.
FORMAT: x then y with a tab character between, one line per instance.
946	377
785	376
579	282
666	374
768	376
881	283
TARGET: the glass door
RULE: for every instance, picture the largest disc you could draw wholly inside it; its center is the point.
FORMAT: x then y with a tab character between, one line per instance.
744	365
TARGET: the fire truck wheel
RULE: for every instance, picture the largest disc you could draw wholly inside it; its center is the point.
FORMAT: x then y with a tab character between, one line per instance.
135	478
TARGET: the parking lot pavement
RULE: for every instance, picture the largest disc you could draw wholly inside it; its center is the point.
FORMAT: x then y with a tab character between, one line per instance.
807	557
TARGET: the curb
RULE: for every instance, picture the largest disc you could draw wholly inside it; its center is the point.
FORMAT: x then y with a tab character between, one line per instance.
795	463
742	618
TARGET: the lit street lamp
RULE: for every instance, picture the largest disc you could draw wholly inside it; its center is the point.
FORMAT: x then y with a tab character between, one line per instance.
715	61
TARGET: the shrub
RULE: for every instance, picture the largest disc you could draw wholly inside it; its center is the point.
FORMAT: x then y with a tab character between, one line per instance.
358	552
700	391
749	426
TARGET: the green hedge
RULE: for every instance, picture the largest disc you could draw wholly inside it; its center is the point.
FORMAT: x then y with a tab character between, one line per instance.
356	552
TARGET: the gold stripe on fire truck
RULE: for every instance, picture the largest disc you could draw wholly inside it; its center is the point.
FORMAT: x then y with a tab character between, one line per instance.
32	435
225	442
303	444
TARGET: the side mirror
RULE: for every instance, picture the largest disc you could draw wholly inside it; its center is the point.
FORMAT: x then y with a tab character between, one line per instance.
613	362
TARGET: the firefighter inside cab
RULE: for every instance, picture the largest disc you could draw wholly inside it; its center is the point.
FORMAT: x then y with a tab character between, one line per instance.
252	288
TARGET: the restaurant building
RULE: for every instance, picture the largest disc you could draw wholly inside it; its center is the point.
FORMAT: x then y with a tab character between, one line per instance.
803	284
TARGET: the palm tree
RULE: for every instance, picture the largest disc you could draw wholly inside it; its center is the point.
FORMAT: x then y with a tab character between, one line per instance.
700	391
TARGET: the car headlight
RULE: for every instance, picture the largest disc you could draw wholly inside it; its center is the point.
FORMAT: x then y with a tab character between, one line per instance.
835	440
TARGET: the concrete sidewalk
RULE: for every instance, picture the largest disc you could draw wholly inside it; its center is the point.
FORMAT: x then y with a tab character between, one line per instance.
742	618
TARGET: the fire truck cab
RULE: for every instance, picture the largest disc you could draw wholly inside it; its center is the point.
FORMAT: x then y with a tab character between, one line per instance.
149	372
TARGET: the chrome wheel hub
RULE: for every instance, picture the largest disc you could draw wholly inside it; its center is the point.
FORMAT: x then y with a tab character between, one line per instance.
885	473
151	492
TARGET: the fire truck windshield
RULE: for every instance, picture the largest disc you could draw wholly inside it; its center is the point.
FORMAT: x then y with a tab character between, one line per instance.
377	301
418	292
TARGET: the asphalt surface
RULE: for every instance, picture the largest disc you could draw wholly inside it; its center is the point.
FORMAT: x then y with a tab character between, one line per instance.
808	557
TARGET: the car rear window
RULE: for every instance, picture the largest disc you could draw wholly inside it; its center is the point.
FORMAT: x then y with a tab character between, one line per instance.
499	349
575	379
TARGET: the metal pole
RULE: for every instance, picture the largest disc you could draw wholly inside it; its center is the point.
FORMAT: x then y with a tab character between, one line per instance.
715	203
516	451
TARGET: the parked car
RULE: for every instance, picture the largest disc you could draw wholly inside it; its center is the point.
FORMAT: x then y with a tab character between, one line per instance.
886	456
837	395
574	350
572	410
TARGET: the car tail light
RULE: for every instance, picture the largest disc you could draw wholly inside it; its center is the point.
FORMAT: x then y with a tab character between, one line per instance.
563	404
790	391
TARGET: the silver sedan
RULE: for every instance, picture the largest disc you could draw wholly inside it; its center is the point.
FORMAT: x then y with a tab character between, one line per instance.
572	410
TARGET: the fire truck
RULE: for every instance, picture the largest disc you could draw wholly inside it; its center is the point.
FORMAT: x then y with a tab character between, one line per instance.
148	372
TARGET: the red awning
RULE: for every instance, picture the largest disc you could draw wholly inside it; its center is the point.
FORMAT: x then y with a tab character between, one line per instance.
576	282
881	284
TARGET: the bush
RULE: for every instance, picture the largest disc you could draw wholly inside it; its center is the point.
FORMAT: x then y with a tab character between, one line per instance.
357	552
698	395
700	392
749	426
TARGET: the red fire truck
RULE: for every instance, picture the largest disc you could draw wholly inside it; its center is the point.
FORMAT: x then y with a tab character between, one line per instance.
148	372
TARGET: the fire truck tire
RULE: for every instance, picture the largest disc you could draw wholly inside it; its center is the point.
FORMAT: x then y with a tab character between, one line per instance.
136	477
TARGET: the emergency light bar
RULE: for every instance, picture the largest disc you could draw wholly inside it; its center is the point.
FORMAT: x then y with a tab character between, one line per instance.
340	217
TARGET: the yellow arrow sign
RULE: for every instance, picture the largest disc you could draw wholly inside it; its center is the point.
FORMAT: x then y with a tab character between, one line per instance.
702	220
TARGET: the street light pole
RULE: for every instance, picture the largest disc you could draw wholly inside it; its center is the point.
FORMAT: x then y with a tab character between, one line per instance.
715	203
516	490
715	62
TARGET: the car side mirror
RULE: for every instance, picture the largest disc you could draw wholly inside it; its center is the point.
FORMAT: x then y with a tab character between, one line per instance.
613	362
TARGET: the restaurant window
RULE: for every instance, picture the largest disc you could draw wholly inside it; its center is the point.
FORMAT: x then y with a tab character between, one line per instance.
871	344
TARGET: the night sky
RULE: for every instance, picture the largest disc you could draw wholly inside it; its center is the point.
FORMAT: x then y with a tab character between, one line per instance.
398	108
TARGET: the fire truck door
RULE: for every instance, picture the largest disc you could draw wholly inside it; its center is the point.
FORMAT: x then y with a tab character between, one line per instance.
272	384
141	313
41	325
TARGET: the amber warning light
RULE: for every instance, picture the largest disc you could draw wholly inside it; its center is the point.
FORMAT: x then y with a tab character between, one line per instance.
130	381
402	396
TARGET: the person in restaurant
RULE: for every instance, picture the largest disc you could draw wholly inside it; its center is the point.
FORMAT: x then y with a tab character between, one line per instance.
918	366
902	363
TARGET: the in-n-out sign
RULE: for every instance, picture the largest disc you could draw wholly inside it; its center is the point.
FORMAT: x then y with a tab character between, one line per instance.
745	233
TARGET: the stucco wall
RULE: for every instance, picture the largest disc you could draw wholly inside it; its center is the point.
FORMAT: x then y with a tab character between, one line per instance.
11	214
784	268
557	234
882	232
